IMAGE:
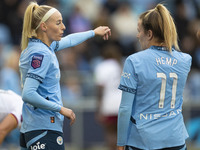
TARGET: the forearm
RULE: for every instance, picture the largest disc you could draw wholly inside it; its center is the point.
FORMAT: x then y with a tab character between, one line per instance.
2	136
124	117
30	95
7	124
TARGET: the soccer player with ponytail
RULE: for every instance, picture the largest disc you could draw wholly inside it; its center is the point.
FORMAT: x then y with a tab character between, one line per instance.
150	114
43	111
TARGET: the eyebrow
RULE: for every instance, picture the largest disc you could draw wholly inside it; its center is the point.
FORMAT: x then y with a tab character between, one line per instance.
58	21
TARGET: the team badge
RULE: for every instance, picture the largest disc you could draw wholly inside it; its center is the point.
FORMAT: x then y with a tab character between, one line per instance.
37	61
60	140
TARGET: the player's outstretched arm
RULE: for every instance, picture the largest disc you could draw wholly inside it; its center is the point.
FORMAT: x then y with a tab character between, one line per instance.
79	37
69	114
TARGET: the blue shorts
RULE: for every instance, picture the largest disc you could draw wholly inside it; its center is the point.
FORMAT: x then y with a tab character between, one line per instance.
42	139
181	147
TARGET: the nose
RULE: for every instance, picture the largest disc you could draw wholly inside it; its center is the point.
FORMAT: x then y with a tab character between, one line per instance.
63	27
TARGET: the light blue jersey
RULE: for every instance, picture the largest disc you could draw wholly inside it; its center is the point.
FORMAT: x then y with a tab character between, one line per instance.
39	62
157	79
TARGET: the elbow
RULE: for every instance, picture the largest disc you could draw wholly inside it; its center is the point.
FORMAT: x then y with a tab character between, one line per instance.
123	111
26	95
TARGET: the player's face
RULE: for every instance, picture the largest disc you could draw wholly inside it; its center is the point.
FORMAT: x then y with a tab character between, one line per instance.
55	27
142	37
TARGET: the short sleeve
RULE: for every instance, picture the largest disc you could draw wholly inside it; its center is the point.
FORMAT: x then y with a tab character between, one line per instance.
39	65
128	81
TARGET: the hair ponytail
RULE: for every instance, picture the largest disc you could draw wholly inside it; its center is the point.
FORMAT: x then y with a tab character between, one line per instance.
28	31
162	25
169	28
32	18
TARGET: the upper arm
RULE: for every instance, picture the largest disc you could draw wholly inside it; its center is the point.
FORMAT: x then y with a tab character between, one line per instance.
39	65
129	80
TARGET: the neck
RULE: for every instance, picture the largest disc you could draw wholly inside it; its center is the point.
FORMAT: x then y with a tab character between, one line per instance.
44	39
155	43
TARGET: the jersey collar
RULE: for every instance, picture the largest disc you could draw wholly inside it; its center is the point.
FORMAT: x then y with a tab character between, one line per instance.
161	48
39	41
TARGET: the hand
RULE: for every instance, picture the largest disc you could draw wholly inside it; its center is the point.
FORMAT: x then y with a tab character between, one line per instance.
69	114
103	31
120	147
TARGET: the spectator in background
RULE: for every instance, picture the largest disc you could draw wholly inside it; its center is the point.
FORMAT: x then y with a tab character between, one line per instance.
107	77
10	79
111	5
10	113
193	124
71	88
180	18
124	22
77	22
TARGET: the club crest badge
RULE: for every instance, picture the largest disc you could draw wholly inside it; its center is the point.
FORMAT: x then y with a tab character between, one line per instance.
60	140
36	61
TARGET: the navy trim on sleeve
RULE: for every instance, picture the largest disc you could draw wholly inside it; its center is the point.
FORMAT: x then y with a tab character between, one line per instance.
127	89
57	45
34	76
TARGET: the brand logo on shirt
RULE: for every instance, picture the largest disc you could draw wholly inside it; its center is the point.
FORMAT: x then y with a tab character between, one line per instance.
126	75
38	146
52	119
59	140
36	61
157	116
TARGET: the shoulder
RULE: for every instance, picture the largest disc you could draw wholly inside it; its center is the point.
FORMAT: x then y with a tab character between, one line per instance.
37	46
37	50
138	56
184	56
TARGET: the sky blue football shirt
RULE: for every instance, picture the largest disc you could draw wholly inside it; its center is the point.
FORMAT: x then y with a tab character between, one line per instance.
157	79
39	62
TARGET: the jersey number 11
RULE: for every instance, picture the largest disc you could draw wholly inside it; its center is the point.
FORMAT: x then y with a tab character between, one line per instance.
163	88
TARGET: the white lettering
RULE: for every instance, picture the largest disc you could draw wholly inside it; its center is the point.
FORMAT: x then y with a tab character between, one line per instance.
174	62
179	111
167	61
172	113
162	59
38	146
145	117
157	116
158	61
126	75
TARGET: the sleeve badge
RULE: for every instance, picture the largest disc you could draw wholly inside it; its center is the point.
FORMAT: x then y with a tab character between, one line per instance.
37	61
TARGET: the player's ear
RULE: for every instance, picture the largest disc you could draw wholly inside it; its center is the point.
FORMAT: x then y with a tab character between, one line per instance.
149	34
43	27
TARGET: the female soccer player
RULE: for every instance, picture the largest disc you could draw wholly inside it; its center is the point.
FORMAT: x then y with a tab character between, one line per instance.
43	111
152	84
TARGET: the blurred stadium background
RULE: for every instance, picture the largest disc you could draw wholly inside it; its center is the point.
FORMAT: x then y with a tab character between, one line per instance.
78	63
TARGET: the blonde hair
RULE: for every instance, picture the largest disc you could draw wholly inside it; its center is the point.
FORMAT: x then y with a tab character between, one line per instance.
32	17
162	25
